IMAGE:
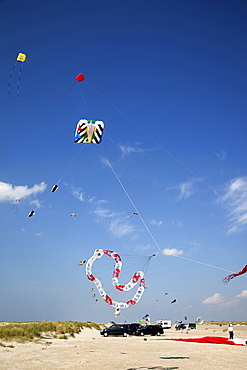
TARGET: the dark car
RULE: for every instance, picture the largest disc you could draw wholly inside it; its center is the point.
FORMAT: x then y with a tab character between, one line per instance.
181	326
150	330
120	329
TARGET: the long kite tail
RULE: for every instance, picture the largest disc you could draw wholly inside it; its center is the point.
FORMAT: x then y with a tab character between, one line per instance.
10	76
19	80
229	277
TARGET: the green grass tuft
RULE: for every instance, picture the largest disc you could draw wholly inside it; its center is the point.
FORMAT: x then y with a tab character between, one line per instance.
29	331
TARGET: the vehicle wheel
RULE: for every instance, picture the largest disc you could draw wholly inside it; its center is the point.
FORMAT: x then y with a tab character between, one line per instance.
105	334
141	333
158	333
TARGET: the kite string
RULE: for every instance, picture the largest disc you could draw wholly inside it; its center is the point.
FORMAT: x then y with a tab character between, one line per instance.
145	225
202	263
58	181
31	263
70	165
157	245
131	201
67	90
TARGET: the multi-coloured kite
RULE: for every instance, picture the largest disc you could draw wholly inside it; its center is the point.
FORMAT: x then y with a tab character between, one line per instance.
78	78
138	277
20	59
145	318
89	131
229	277
82	263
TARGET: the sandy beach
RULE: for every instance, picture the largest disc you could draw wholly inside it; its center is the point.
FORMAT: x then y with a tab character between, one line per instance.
89	350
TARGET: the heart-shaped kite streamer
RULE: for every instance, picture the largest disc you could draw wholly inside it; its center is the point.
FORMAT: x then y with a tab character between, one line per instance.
137	277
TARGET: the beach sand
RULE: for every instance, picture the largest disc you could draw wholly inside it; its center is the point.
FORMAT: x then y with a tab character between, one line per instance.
89	351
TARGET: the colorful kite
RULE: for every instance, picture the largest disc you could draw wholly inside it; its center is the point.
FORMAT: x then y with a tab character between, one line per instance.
82	263
78	78
21	59
15	206
89	131
145	318
229	277
138	277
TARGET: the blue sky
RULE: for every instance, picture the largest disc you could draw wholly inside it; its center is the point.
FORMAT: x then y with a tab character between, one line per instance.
168	79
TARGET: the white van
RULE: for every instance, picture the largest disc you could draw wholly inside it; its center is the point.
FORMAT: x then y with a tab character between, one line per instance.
166	324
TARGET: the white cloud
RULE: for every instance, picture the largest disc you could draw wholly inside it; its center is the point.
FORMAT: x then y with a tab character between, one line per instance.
156	223
195	246
188	188
222	302
36	202
177	223
172	252
242	295
78	194
127	149
221	155
104	213
235	200
120	228
39	234
9	192
215	299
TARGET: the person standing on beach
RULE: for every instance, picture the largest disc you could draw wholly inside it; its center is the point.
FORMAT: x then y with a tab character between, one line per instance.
230	331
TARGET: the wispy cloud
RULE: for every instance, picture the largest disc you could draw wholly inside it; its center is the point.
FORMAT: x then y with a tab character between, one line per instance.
156	223
221	155
235	200
39	234
117	223
120	228
36	202
194	246
127	149
104	213
177	223
9	192
188	188
172	252
219	300
77	192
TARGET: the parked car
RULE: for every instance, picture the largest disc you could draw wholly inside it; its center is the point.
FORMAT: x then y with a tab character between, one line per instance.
120	329
181	326
150	330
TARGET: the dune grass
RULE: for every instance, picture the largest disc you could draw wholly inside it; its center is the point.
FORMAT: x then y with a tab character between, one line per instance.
29	331
225	323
